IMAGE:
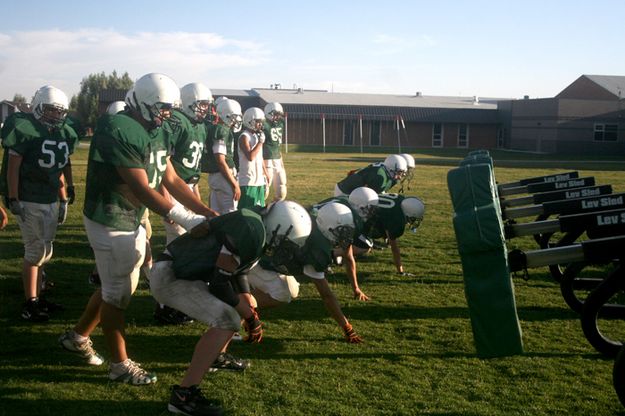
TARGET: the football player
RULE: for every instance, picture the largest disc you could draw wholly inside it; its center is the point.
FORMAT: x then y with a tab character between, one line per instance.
394	212
252	175
407	178
378	176
186	144
220	252
224	188
127	163
36	158
273	282
274	129
363	202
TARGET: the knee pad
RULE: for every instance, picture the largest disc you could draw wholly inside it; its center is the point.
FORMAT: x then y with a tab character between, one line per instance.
38	252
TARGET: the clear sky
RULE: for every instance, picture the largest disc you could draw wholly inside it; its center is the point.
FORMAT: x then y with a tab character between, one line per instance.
486	48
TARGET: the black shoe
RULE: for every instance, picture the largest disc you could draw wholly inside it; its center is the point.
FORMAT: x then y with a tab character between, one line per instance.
229	362
50	307
190	401
33	311
170	316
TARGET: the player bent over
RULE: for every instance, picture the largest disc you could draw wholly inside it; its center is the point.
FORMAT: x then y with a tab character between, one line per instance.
272	279
220	252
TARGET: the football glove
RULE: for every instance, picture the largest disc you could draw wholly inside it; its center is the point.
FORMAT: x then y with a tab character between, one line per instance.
16	208
261	137
62	211
71	194
350	335
253	327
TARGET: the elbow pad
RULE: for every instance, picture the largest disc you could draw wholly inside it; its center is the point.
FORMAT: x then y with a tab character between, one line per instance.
221	287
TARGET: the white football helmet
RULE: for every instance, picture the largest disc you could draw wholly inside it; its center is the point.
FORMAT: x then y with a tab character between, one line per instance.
154	95
364	201
286	220
229	111
115	107
413	209
50	106
396	166
274	112
196	100
253	119
336	223
220	99
409	160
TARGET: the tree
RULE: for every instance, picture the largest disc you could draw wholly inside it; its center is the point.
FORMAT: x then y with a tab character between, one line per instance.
85	104
19	99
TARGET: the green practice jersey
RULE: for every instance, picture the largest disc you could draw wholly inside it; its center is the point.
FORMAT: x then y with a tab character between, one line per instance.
222	137
389	218
273	139
119	141
44	155
374	176
241	231
187	145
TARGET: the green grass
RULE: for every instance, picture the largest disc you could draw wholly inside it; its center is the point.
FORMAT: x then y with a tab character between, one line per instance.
418	356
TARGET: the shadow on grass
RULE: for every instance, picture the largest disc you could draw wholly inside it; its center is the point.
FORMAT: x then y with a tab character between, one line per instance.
44	407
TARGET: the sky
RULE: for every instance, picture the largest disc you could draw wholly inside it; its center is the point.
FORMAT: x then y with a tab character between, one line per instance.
503	49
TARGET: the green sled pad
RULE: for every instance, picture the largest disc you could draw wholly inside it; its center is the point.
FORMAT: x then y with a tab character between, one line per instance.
490	296
479	230
471	186
476	160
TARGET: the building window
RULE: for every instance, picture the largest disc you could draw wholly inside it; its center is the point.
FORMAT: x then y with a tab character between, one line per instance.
375	133
437	135
349	129
501	133
463	135
605	132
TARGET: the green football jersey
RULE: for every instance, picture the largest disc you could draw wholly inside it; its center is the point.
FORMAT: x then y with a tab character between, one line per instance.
223	136
120	141
273	139
374	176
389	218
44	155
241	231
187	145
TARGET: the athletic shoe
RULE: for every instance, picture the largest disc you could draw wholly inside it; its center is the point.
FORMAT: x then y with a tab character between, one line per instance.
84	349
170	316
130	372
236	337
50	307
190	401
33	311
94	279
229	362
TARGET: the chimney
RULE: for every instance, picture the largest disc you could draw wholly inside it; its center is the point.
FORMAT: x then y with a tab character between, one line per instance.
526	97
476	100
418	94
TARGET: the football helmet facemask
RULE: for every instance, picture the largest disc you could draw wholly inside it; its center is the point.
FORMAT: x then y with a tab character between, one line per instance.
364	201
229	111
50	106
253	119
274	112
197	100
336	223
413	209
155	95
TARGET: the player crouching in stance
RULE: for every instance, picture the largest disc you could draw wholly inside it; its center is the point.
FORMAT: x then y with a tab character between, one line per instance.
272	279
127	163
220	253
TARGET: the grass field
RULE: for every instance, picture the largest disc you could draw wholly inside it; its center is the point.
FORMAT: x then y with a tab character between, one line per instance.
418	356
